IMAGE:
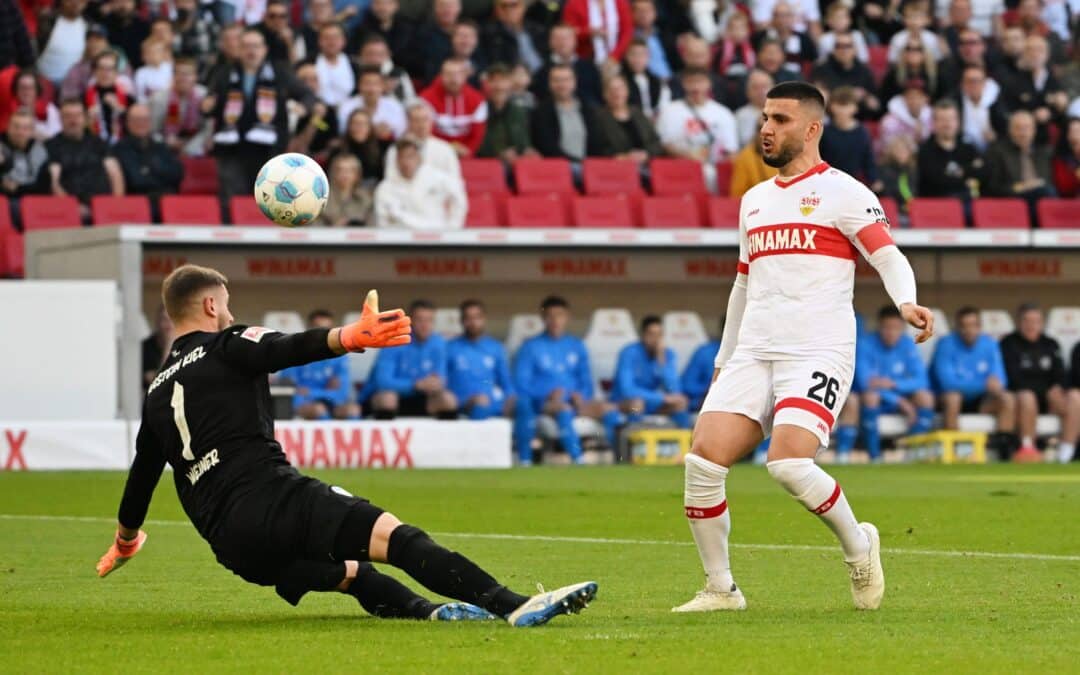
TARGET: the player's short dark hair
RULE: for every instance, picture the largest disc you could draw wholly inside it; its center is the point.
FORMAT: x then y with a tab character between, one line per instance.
183	284
468	304
319	314
421	303
803	92
553	301
650	320
1026	307
966	310
888	312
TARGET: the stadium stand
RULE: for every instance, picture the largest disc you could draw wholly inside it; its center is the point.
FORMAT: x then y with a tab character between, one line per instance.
522	327
543	176
611	211
684	332
997	323
672	211
609	331
448	322
111	210
1063	324
244	211
46	213
1000	213
936	212
484	210
190	210
545	210
724	212
200	176
1057	213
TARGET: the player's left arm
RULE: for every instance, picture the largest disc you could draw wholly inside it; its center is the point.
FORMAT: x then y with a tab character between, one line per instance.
142	479
863	222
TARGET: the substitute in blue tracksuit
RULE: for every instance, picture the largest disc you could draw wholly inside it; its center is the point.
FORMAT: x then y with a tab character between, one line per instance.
969	373
323	388
411	380
698	375
892	378
478	372
552	376
647	378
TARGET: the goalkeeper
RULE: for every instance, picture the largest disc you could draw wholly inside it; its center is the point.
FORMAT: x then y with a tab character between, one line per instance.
207	413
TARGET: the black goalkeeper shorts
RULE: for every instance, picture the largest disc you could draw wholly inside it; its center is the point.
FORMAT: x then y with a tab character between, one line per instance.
292	517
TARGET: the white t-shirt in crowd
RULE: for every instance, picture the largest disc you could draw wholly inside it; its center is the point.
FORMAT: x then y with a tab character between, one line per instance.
389	111
710	125
805	12
151	79
337	81
64	49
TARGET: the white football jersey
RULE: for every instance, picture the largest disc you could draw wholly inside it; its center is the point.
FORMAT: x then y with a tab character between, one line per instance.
798	242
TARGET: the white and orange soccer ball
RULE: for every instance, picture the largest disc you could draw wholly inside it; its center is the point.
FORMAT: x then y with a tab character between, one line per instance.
291	189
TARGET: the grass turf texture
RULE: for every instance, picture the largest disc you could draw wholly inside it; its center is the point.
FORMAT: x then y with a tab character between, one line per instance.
174	609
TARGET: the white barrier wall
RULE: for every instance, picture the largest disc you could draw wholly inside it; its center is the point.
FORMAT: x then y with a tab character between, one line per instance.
58	350
398	444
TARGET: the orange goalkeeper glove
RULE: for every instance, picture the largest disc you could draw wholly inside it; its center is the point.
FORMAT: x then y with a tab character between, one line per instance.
375	328
120	552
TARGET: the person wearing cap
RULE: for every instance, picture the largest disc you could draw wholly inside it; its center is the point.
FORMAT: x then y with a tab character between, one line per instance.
908	115
418	196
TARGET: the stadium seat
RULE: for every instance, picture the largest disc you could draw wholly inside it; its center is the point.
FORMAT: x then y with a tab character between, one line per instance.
1063	324
360	364
485	209
724	212
536	211
190	210
936	212
670	212
997	323
941	327
723	178
244	211
605	176
1058	214
543	176
448	322
878	62
40	212
110	210
522	327
684	332
286	322
676	177
607	211
12	251
483	175
200	176
892	211
609	331
1000	214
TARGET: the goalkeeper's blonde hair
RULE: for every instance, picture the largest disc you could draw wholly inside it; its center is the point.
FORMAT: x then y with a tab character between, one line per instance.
184	285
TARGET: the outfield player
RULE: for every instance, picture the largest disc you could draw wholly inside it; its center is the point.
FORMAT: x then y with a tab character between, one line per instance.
788	350
207	414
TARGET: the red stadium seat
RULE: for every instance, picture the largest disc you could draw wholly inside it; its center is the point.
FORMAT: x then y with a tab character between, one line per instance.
483	175
535	211
542	176
605	176
1000	213
5	212
676	177
190	210
40	212
485	209
244	211
671	212
603	211
892	211
11	251
110	210
1058	214
879	62
200	176
936	212
723	178
724	212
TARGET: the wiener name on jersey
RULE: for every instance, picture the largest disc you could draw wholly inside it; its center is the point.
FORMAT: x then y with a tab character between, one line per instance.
798	243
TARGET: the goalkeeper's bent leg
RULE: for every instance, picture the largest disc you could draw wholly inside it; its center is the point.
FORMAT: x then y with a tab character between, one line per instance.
386	597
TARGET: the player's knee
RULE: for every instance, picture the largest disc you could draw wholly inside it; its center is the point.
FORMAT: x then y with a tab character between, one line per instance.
385	401
1026	400
633	406
704	486
792	473
1007	400
924	399
401	539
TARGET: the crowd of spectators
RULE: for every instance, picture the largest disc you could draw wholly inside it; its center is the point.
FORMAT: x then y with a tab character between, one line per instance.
957	98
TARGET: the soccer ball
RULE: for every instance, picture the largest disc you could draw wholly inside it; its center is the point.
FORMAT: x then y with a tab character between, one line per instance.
291	189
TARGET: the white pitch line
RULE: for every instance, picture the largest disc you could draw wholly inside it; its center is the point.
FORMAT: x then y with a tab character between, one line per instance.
618	542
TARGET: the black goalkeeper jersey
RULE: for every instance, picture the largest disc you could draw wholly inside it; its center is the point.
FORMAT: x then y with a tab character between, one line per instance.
208	414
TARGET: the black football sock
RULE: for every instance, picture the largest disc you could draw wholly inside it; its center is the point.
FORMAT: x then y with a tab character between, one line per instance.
303	576
386	597
447	572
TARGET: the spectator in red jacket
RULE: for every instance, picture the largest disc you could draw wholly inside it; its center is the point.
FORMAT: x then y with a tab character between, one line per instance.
460	110
1067	162
604	30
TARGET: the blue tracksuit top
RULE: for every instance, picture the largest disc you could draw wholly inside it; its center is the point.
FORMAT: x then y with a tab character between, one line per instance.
476	367
545	363
960	367
900	363
316	376
697	377
639	375
398	368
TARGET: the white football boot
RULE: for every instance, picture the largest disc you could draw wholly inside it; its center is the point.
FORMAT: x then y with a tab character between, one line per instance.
546	605
711	600
867	576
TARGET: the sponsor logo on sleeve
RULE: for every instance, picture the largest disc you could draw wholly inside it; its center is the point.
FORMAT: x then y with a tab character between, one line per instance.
255	333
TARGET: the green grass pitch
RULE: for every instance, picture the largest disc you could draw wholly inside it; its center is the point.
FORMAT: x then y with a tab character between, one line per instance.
989	610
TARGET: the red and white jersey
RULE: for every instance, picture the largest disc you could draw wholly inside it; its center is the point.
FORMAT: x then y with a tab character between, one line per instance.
798	242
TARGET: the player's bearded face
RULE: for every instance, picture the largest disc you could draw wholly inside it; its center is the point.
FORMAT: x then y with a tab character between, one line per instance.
778	152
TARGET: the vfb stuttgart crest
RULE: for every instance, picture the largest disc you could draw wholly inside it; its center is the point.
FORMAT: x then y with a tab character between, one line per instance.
808	203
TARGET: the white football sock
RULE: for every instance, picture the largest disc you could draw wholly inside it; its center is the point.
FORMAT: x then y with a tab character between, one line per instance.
710	522
1066	452
821	494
